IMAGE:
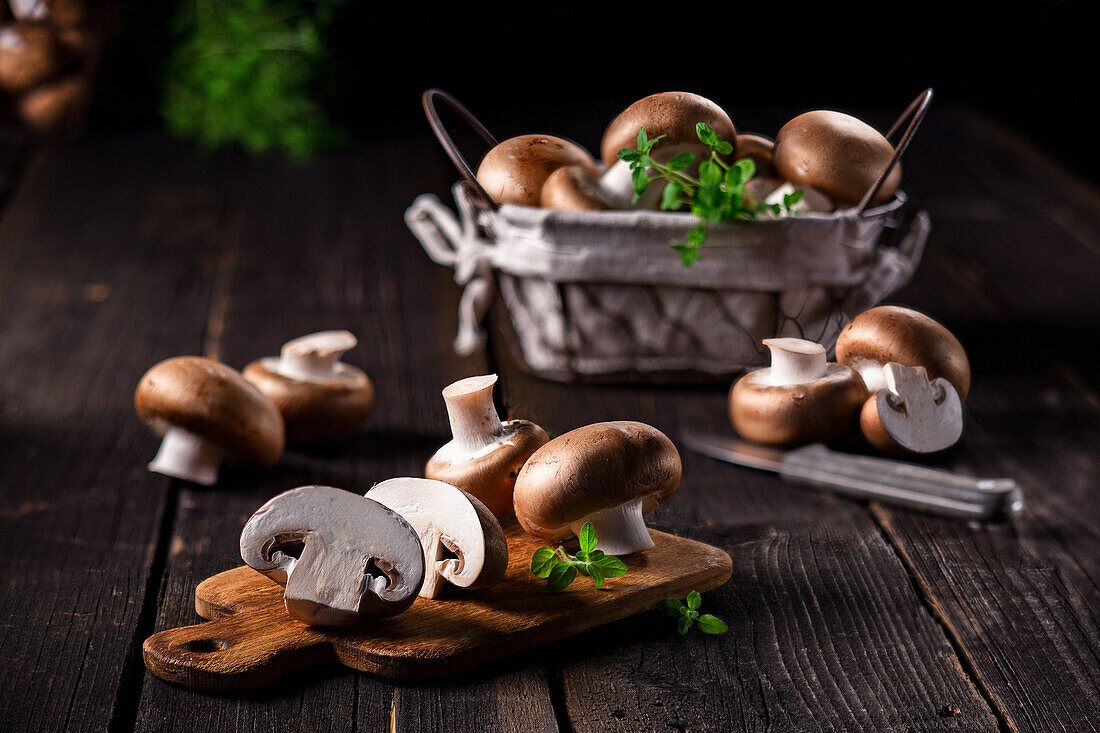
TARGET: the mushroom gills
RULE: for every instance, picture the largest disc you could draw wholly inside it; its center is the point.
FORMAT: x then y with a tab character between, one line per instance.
620	530
920	415
185	455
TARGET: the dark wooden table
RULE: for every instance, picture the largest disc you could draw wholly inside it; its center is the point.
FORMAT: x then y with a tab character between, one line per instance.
118	250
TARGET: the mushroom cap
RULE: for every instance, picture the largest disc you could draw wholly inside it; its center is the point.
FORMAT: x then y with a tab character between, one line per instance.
837	154
514	171
29	55
54	105
758	147
444	515
914	414
672	114
594	467
824	409
315	411
573	188
491	476
341	556
890	333
213	401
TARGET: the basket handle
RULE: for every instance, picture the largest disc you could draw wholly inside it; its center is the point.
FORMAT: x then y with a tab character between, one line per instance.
911	119
428	101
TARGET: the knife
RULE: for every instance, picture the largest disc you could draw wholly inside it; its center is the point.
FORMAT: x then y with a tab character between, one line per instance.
866	477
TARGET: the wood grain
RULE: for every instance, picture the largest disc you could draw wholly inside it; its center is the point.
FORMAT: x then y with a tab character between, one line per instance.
253	641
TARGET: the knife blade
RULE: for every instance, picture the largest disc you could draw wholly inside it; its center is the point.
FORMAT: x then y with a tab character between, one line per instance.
867	477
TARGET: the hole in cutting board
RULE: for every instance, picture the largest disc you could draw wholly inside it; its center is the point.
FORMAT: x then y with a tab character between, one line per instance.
205	646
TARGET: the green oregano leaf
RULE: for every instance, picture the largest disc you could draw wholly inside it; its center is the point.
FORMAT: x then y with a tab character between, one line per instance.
543	561
712	624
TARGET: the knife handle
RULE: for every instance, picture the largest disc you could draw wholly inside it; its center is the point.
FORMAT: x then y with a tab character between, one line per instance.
904	484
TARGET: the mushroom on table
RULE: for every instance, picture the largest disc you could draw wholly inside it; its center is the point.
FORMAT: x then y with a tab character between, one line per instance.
341	557
609	474
321	398
485	455
206	412
912	413
800	398
464	544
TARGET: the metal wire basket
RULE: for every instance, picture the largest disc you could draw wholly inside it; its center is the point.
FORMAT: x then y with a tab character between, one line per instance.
600	296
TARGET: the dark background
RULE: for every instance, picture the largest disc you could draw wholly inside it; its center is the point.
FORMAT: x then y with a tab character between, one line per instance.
568	69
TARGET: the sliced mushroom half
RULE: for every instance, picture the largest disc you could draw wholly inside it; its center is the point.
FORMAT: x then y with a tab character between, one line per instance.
912	414
341	557
463	542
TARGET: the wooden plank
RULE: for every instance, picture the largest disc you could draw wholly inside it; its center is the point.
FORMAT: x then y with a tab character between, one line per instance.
324	246
1021	601
90	296
825	629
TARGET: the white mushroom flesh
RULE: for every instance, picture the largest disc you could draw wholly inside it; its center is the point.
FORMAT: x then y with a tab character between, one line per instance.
475	425
874	376
795	361
620	530
316	357
185	455
449	528
617	183
920	415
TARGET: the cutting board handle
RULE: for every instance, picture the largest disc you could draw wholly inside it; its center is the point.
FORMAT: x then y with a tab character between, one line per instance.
240	651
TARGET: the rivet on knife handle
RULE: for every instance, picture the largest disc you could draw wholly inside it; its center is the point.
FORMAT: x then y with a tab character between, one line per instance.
904	484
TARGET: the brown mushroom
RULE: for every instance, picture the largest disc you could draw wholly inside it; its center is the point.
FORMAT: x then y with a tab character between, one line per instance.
671	114
485	455
837	154
206	412
573	188
514	171
757	147
890	333
56	105
912	414
800	398
321	398
609	474
29	55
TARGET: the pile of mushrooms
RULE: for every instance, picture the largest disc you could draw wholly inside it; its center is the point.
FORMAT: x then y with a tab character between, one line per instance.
207	412
834	158
49	51
900	377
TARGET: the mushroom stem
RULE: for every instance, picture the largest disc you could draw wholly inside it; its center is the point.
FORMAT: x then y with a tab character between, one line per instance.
620	530
474	420
313	358
184	455
874	376
795	361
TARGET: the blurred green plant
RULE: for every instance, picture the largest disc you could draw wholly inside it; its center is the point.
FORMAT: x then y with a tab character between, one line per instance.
249	72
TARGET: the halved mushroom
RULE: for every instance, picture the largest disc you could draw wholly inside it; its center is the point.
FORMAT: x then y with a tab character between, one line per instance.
340	556
837	154
800	398
514	171
912	414
609	474
463	542
206	412
890	333
321	398
573	188
485	455
671	114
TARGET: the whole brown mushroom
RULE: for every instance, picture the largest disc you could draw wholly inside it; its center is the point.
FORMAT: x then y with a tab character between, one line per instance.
800	398
890	333
609	474
29	55
56	105
573	188
514	171
837	154
206	412
757	147
321	398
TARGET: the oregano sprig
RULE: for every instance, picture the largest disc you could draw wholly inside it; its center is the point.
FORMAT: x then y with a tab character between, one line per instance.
688	614
560	568
717	195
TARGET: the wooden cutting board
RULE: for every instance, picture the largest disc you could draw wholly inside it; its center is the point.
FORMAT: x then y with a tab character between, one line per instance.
251	641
